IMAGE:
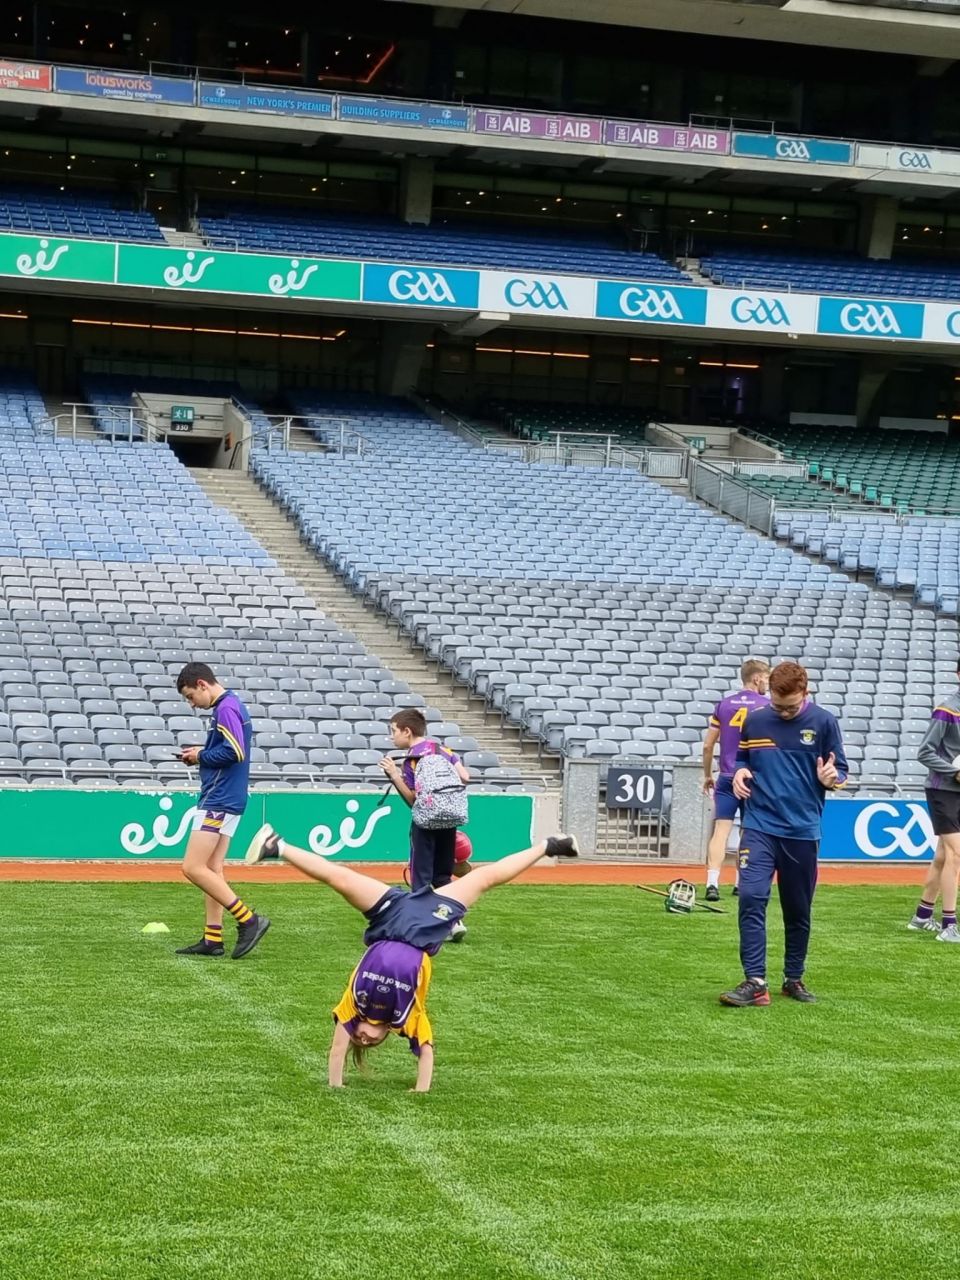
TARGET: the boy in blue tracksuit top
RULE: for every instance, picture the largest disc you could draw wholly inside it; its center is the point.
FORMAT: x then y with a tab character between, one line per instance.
224	764
790	755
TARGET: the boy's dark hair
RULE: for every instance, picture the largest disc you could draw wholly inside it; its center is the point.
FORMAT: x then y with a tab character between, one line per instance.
192	673
412	719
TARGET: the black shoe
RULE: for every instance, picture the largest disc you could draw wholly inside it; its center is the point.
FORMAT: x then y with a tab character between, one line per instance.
202	948
712	894
248	935
736	891
794	988
750	991
562	847
263	847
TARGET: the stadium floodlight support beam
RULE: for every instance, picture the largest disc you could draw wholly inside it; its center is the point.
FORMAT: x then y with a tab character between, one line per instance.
478	325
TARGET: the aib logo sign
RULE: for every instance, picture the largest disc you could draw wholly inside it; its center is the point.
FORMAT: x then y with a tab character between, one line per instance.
536	294
758	310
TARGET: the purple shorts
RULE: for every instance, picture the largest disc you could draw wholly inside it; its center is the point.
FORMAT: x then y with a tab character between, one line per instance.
726	806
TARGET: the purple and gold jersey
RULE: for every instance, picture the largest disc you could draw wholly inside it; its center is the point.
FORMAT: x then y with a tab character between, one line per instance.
224	759
390	985
728	716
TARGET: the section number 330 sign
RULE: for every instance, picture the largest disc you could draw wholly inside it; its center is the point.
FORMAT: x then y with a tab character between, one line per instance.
634	788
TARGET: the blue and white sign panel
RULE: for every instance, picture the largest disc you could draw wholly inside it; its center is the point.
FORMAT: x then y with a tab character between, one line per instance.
870	318
535	293
877	831
403	111
757	311
421	286
941	322
251	97
918	162
652	303
132	86
776	146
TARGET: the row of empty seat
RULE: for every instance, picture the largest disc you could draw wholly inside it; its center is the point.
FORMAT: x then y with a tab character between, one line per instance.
898	469
814	272
115	569
93	214
265	228
596	610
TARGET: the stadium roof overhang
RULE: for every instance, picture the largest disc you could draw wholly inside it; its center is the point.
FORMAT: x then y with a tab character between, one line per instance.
809	22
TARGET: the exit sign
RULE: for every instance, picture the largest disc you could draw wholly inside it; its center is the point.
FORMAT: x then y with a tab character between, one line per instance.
182	413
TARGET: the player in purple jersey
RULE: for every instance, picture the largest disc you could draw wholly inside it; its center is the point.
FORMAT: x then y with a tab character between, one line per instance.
388	989
725	725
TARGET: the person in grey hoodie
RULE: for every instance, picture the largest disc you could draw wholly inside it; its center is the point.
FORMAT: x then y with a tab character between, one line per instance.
940	752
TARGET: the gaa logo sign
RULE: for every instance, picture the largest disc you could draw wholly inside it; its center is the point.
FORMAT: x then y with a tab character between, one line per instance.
535	294
792	149
421	286
762	311
884	829
650	304
870	318
918	160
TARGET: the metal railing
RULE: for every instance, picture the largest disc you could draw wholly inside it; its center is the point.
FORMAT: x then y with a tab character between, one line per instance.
130	427
344	439
755	467
733	497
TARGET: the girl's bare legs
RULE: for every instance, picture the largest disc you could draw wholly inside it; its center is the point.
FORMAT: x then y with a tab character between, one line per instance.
362	892
478	881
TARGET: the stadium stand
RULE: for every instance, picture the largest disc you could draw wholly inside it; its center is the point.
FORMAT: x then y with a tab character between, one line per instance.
531	420
601	613
267	229
919	470
22	410
80	213
104	597
918	554
829	273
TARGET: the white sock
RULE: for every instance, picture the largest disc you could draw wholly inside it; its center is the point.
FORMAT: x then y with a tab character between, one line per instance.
713	878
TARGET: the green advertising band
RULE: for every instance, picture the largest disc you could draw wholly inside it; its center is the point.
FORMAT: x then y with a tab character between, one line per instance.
136	826
545	296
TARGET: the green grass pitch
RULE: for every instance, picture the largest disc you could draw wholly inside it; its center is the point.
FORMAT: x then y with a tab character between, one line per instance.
596	1114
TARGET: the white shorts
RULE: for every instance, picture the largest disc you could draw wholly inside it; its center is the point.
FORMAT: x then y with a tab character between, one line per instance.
216	822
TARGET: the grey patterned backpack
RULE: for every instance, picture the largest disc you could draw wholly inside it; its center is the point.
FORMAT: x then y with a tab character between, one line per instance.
440	798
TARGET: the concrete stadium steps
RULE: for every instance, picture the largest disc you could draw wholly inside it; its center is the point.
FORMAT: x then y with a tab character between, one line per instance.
239	493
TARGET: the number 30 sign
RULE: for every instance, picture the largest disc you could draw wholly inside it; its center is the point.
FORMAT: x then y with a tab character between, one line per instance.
634	788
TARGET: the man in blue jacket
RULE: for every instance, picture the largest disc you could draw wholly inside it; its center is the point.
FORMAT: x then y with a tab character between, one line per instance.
790	755
224	763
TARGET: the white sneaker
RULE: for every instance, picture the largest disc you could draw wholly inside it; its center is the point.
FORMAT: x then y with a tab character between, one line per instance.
950	934
458	932
924	926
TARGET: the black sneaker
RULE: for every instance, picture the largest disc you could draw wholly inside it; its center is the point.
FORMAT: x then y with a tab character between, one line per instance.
248	935
562	847
750	991
263	847
794	988
712	894
736	891
202	948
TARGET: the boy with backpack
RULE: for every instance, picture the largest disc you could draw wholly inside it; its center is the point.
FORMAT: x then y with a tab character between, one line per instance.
431	780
